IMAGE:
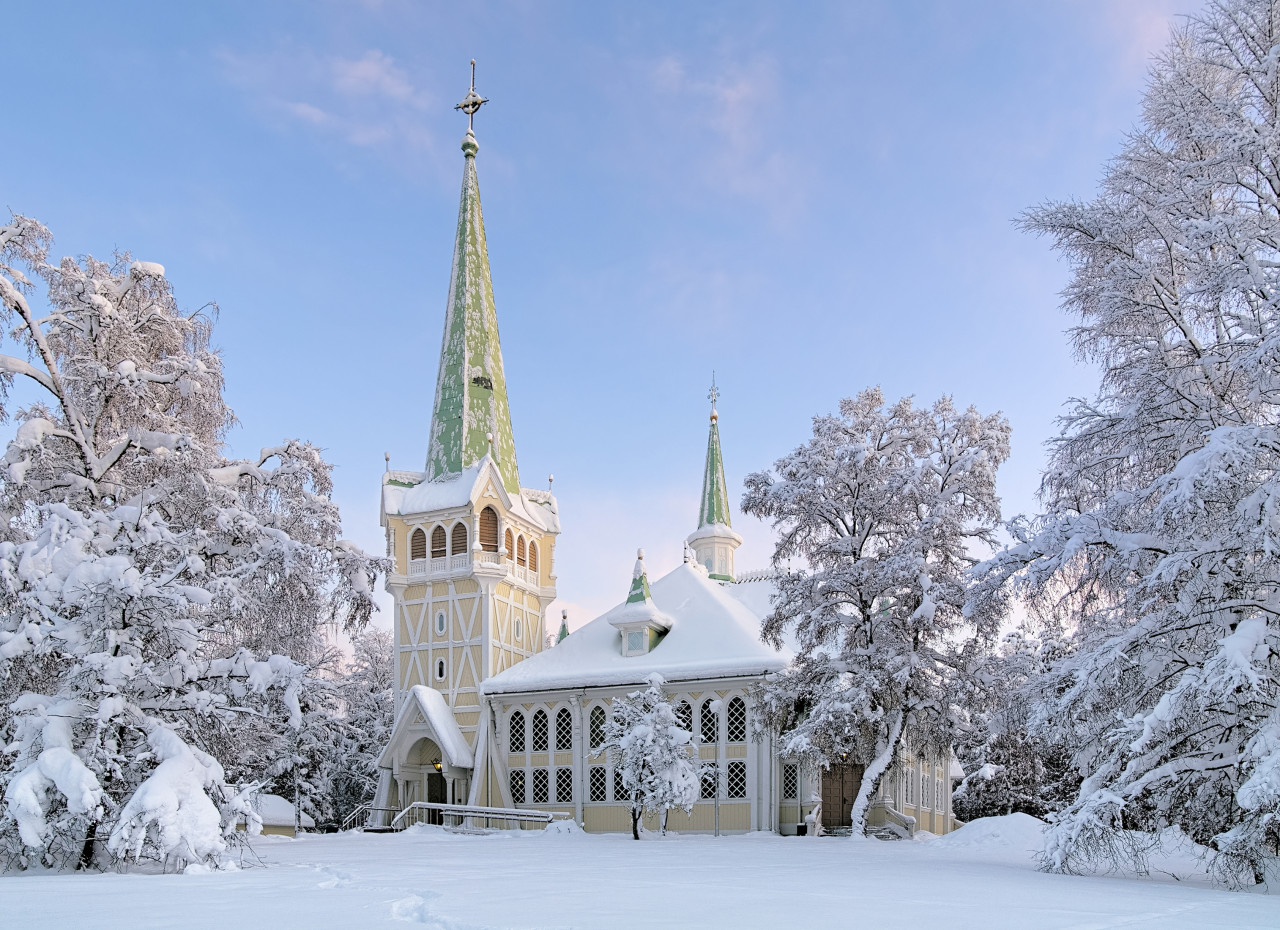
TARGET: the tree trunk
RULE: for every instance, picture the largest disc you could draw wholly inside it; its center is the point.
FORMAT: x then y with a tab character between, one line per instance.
86	851
635	823
873	773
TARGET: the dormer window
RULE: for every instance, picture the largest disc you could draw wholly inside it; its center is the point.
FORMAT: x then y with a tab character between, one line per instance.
636	641
639	621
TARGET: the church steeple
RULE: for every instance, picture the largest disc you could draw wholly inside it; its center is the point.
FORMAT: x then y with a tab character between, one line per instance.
714	541
471	388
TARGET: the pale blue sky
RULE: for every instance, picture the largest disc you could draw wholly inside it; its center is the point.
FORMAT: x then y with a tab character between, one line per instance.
808	198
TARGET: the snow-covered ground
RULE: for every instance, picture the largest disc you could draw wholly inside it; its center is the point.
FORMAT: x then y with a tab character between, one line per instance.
981	876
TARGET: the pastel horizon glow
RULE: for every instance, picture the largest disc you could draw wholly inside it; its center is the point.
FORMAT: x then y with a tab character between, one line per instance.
806	203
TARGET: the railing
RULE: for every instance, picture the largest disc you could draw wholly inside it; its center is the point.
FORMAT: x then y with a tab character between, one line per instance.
902	824
423	811
370	813
440	565
488	558
756	574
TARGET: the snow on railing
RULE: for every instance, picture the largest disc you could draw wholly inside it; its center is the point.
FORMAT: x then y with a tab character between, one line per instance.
756	574
433	812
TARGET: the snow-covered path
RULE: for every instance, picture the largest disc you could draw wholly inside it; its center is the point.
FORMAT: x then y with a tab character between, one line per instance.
433	879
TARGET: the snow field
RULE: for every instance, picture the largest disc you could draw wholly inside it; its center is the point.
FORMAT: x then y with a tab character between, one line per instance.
979	877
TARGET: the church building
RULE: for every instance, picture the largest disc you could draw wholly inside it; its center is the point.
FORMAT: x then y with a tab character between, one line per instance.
487	715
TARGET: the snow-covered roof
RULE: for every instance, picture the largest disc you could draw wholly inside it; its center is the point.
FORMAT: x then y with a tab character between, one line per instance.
405	493
276	811
714	634
436	712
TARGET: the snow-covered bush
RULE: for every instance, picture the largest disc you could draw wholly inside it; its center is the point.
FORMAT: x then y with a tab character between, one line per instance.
656	758
159	604
887	508
1158	556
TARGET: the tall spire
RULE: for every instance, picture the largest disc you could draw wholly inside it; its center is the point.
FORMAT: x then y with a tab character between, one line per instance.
714	506
714	541
471	388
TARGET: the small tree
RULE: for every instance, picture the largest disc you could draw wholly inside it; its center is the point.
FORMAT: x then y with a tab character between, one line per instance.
367	693
655	755
887	507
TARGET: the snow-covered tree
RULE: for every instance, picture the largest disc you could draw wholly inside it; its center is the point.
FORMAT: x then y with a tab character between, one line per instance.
654	755
1159	550
159	603
367	692
887	507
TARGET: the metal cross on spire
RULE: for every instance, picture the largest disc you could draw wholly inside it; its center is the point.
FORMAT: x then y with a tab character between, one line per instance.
714	394
472	101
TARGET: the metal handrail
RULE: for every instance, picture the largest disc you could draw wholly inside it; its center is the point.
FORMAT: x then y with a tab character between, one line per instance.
467	811
350	820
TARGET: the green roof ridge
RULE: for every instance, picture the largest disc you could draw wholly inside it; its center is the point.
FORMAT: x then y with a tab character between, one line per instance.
471	387
714	506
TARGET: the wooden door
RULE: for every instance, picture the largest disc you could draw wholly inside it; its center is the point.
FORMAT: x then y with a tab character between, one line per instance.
435	793
840	785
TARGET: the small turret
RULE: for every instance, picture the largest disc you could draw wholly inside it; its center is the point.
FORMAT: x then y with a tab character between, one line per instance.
714	541
564	627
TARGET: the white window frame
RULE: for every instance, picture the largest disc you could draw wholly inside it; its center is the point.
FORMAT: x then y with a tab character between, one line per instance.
442	623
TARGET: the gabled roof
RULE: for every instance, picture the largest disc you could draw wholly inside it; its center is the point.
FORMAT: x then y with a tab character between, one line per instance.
429	705
712	635
471	386
408	493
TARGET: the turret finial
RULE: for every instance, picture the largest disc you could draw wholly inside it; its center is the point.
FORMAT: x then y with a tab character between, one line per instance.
713	395
387	456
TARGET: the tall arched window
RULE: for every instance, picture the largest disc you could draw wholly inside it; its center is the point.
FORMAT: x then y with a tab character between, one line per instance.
709	724
736	721
540	731
533	556
459	546
597	726
684	716
489	530
520	559
418	545
516	742
438	543
508	543
564	730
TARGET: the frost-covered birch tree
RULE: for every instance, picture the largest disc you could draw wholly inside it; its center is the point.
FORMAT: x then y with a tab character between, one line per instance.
655	756
885	509
159	603
367	693
1158	553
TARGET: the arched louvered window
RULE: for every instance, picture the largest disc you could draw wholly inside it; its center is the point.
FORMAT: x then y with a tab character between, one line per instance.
508	543
489	530
540	731
684	716
438	543
459	546
520	559
597	726
533	556
709	724
736	721
418	545
564	730
516	742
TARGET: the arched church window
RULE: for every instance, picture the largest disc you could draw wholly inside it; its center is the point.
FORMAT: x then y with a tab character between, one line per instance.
517	786
508	543
599	782
437	543
597	727
709	724
736	722
684	716
564	730
440	669
564	786
520	559
533	556
418	545
735	779
489	530
540	786
708	788
540	731
459	546
516	742
620	792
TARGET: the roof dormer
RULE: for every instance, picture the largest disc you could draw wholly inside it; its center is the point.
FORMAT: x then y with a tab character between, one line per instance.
639	620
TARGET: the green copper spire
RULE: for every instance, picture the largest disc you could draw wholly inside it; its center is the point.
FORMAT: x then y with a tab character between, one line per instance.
564	627
714	507
639	593
471	388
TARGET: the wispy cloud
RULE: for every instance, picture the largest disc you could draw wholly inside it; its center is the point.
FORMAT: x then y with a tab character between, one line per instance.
366	100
